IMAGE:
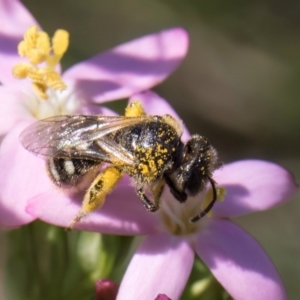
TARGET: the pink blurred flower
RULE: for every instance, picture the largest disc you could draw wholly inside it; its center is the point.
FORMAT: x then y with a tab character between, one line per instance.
117	73
163	261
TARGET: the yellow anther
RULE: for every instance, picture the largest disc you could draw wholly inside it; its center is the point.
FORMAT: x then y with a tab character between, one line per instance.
23	48
36	76
221	192
60	42
31	34
53	80
21	70
36	56
41	51
30	37
43	42
37	48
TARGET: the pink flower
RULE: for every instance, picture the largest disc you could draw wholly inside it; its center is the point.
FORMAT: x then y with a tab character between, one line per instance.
117	73
164	259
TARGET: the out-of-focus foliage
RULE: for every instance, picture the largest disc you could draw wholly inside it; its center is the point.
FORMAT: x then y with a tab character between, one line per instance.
239	86
47	262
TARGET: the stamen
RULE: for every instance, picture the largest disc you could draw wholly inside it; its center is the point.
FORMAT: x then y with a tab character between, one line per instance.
37	48
60	44
175	217
221	193
40	90
21	70
173	222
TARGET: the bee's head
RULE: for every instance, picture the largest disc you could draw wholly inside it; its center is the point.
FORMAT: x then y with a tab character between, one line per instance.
193	169
200	160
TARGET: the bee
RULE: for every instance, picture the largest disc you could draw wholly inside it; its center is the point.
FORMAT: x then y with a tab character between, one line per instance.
148	148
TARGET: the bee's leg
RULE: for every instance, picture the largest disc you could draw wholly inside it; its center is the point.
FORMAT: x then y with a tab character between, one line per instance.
134	109
210	205
156	190
150	206
94	197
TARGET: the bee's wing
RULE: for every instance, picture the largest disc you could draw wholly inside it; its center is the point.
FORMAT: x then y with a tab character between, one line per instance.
75	136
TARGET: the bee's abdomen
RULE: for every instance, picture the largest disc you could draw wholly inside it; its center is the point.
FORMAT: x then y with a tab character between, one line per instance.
67	173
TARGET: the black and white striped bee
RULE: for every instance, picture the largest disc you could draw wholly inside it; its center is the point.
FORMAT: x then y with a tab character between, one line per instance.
147	148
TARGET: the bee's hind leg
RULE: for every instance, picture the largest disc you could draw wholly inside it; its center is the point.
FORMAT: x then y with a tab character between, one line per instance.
94	197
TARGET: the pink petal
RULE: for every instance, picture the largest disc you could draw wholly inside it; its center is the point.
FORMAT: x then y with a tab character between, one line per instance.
22	177
95	109
161	265
238	262
15	19
122	213
252	185
155	105
12	108
131	67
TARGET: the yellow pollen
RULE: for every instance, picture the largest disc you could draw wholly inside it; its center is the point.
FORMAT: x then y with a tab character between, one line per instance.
36	47
134	109
152	165
160	162
144	169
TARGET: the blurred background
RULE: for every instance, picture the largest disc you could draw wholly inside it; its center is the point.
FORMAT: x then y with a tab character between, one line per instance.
239	84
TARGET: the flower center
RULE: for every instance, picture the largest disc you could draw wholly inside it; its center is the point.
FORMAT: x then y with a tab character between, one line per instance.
176	217
43	57
58	103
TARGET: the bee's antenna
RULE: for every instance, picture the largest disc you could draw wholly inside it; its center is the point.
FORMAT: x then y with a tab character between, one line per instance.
210	205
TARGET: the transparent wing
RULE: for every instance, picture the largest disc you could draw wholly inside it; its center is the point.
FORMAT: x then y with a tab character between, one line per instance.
79	136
